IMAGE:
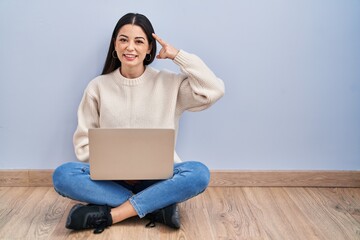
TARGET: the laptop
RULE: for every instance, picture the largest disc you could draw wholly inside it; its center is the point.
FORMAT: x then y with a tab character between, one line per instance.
131	154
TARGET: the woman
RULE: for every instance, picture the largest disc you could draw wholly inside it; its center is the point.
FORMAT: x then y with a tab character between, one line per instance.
130	94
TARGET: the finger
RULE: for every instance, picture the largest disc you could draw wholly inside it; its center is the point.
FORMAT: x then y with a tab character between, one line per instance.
160	41
161	54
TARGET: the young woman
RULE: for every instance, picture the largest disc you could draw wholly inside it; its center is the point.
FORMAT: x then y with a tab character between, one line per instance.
130	94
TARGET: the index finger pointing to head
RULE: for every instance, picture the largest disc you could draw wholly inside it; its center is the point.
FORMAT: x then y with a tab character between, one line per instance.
157	38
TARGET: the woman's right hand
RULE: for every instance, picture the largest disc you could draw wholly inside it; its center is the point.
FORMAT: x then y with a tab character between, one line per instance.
167	51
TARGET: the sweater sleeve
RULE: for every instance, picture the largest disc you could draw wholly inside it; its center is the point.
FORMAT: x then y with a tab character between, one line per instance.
88	117
199	87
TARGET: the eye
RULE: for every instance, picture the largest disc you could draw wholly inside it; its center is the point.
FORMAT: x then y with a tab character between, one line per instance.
139	41
123	40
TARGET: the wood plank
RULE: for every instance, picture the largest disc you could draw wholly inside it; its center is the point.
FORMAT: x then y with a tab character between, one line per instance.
249	227
60	232
17	227
317	212
4	190
278	215
49	213
133	228
11	203
220	178
229	216
345	200
352	198
337	209
196	223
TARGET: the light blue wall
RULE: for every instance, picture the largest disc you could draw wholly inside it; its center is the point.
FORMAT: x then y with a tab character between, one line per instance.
291	70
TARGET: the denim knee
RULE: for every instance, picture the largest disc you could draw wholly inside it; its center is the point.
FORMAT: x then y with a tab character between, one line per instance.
62	176
58	175
199	175
202	175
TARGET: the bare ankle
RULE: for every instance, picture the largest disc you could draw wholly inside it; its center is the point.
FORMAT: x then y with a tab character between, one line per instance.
122	212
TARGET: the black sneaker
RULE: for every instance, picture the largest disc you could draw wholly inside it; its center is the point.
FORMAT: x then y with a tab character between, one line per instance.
169	216
89	216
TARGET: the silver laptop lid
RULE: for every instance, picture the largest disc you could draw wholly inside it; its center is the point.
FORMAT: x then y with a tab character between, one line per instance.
131	153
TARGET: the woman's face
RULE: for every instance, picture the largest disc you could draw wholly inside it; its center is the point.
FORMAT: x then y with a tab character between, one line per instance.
131	46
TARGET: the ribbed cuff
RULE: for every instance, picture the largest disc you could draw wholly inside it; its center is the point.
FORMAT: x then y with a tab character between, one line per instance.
182	58
136	207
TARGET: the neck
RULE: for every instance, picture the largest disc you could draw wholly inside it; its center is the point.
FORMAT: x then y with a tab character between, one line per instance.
132	72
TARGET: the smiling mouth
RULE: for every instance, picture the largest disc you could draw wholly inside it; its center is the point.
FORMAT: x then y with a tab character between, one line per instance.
130	56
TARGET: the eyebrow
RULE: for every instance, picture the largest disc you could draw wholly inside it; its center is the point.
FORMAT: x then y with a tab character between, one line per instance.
122	35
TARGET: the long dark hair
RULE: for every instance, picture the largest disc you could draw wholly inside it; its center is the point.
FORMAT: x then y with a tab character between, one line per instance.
140	20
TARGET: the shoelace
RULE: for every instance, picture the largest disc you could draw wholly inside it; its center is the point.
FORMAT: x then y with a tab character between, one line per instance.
155	217
97	222
151	223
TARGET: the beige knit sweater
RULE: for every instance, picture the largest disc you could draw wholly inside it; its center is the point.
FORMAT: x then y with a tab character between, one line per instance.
154	100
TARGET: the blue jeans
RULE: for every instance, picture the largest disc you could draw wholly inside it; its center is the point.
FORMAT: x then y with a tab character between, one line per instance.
72	180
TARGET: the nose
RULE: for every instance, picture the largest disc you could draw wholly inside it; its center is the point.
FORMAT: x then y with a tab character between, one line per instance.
130	46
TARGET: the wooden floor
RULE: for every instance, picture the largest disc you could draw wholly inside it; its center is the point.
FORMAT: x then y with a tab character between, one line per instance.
218	213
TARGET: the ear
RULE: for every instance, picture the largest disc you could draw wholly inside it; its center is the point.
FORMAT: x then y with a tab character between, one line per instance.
150	48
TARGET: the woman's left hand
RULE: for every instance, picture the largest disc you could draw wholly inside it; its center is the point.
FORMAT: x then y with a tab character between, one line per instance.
167	51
